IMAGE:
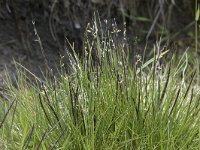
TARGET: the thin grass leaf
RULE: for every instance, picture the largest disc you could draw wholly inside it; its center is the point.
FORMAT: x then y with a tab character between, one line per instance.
175	102
188	88
51	107
14	112
45	113
189	106
4	118
150	61
28	138
57	141
165	86
42	139
73	109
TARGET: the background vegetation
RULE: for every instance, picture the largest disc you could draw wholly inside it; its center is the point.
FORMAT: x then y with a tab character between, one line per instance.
173	20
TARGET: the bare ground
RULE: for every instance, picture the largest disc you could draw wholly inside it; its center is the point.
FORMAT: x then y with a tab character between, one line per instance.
11	50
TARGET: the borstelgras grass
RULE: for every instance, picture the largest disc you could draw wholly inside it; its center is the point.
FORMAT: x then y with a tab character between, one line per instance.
109	104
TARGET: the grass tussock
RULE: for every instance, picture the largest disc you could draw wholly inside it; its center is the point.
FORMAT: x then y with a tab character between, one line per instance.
105	103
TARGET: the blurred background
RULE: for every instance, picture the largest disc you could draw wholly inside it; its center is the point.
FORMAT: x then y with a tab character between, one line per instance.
32	31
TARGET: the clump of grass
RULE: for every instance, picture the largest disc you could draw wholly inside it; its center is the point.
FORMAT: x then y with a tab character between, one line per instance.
105	103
